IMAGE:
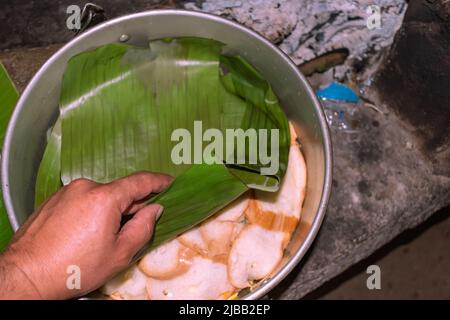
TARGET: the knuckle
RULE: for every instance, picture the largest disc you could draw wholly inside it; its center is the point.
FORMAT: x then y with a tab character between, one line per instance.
81	182
97	195
119	184
126	183
140	177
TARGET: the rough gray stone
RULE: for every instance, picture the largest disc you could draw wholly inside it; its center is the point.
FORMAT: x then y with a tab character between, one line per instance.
422	55
309	28
382	185
35	23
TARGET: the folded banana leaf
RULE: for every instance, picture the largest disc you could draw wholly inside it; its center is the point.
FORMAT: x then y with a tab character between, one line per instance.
120	106
185	206
48	179
8	100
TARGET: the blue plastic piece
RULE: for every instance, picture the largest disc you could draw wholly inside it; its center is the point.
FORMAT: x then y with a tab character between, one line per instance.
339	92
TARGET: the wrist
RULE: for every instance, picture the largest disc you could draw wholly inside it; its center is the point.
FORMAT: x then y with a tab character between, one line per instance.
14	282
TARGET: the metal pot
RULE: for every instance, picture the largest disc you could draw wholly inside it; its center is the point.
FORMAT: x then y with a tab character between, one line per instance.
37	109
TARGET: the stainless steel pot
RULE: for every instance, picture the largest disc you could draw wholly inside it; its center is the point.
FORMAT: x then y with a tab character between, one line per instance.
38	107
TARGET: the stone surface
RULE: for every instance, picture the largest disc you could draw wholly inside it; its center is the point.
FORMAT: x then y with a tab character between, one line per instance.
33	23
22	63
409	268
384	180
303	29
418	67
382	185
309	28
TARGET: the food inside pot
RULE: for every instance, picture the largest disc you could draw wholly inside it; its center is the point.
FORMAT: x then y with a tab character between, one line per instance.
232	250
232	208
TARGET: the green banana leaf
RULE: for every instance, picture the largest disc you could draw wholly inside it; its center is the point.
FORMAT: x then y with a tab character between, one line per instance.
184	206
48	178
6	231
8	100
241	79
120	105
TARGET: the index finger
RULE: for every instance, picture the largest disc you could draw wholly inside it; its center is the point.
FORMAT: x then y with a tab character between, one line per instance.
137	186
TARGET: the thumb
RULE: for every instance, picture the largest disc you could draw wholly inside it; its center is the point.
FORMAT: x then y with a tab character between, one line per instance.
138	231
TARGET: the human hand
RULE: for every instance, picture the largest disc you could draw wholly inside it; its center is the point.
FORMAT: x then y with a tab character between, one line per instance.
80	225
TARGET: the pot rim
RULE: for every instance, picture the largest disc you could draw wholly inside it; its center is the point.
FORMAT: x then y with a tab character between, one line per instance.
262	290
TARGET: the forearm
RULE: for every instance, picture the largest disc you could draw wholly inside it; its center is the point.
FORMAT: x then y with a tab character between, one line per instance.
14	283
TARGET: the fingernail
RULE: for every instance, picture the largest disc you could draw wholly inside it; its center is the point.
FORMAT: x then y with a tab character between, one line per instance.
160	211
